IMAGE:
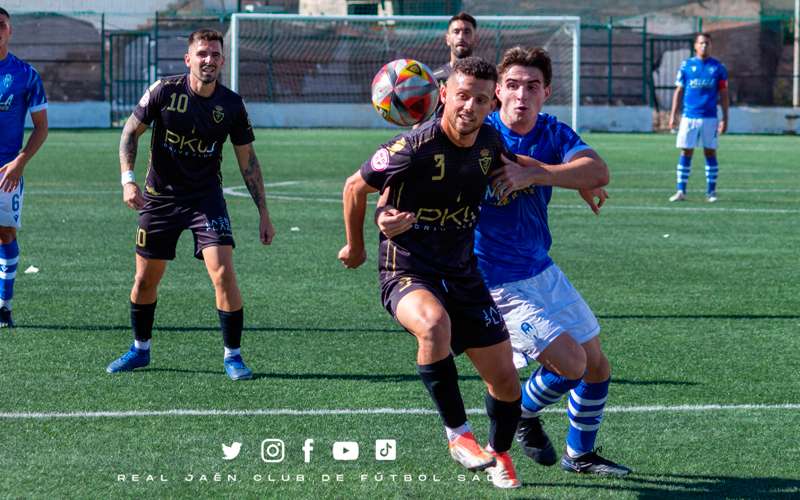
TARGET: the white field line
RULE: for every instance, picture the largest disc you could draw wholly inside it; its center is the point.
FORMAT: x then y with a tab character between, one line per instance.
335	198
234	191
373	411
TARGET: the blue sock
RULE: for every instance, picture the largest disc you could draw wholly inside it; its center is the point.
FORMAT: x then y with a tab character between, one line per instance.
585	411
712	168
9	256
684	170
542	389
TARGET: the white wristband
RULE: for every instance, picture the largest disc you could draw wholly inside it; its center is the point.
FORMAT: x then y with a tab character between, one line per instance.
128	177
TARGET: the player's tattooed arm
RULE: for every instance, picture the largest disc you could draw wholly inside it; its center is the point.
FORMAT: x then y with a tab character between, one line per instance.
251	173
128	145
253	179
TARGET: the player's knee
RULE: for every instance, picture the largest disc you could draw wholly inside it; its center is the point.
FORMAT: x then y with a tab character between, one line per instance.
710	153
7	235
598	368
575	367
223	279
144	283
433	329
504	385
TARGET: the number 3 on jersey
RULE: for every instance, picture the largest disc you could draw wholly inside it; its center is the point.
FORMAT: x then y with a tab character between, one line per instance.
439	163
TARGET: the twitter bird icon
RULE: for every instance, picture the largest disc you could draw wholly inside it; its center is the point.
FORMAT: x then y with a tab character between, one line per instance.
232	451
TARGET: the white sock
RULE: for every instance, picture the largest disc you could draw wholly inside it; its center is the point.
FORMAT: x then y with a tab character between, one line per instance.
142	346
232	352
574	454
454	433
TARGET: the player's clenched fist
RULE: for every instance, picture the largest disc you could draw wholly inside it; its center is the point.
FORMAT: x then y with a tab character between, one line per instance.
352	257
132	196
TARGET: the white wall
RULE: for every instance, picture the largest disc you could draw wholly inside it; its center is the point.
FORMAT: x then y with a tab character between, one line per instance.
89	114
749	120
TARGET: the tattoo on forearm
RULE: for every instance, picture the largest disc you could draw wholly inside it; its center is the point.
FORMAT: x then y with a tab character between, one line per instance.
254	181
128	146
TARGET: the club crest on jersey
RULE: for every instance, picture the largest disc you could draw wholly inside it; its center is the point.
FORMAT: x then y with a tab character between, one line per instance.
380	160
485	161
218	114
7	80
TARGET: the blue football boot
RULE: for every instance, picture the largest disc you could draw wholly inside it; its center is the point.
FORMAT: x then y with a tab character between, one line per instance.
135	358
236	369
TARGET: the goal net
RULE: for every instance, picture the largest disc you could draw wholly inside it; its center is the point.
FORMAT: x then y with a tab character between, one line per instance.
316	71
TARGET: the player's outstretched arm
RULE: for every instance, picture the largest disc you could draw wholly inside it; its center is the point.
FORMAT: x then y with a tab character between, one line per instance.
12	171
128	147
251	173
354	199
586	170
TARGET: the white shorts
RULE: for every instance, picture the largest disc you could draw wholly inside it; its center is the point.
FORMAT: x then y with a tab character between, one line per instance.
691	130
11	206
539	309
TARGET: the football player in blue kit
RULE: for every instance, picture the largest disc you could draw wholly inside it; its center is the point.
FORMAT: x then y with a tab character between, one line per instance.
547	318
429	278
702	82
21	92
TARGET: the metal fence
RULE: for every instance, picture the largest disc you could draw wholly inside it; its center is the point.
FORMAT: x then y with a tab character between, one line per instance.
81	57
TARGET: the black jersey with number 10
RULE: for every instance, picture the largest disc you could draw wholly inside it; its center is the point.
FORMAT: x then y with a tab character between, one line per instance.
188	133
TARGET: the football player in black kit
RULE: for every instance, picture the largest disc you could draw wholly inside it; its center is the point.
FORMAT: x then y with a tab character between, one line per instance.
429	278
462	39
193	115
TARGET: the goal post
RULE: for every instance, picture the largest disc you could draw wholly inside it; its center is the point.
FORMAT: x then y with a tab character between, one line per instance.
316	71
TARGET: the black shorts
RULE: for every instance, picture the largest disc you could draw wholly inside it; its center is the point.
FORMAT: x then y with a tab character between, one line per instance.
474	318
162	222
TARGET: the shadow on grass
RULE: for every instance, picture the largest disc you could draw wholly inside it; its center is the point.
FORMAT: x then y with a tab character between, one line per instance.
698	316
209	328
370	377
651	486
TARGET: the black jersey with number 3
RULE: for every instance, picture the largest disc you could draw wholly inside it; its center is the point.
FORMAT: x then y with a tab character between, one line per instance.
443	185
188	133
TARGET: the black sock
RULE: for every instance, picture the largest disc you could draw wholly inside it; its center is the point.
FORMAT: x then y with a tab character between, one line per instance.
231	324
142	321
441	380
503	420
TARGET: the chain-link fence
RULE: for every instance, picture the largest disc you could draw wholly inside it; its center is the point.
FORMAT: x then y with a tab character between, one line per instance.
624	61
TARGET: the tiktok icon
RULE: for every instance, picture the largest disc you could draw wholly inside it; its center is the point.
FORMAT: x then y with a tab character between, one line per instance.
385	449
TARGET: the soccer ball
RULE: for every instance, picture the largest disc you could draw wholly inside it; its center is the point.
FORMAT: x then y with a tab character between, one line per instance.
404	92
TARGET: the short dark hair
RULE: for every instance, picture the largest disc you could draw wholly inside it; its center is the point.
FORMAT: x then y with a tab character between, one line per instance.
4	12
463	16
535	57
475	66
206	34
703	35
